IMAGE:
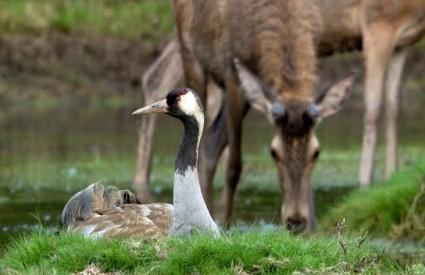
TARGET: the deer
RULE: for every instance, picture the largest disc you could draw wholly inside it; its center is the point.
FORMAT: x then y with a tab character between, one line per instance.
383	30
262	54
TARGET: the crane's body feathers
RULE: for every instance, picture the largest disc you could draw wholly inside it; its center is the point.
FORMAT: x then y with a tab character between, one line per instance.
135	220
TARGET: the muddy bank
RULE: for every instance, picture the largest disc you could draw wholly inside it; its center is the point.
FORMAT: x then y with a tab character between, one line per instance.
60	64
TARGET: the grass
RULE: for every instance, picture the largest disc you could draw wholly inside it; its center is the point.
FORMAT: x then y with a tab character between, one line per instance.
253	252
249	253
152	18
42	253
383	205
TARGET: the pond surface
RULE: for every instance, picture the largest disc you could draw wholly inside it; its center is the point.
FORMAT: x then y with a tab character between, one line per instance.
48	154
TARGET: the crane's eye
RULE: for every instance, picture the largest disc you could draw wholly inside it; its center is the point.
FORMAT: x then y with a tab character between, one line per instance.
172	99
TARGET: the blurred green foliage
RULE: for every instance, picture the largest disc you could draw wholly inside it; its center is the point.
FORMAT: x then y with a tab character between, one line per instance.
104	17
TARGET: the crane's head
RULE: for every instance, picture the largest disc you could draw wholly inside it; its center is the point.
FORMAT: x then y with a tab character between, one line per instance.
180	103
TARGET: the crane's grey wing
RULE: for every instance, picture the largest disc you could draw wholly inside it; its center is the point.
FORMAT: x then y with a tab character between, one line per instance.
133	220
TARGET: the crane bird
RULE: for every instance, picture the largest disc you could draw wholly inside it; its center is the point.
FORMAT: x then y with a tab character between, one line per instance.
120	215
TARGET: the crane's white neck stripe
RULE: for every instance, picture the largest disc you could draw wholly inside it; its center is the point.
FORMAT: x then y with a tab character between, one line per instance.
189	104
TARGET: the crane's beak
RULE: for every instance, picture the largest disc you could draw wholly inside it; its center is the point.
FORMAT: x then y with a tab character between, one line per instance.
157	107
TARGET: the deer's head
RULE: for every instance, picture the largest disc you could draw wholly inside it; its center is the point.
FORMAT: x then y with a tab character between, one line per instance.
294	148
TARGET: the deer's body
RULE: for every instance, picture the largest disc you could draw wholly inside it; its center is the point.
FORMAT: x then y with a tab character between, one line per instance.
388	28
224	30
341	26
383	30
346	22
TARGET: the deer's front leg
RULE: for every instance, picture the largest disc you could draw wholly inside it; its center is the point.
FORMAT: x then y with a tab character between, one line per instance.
160	78
378	49
215	142
394	76
237	108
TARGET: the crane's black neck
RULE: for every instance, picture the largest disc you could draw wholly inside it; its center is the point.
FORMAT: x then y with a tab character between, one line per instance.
187	156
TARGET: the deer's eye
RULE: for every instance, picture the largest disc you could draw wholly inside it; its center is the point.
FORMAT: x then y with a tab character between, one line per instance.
273	154
316	154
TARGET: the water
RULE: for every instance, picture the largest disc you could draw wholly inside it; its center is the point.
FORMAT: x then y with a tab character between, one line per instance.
46	155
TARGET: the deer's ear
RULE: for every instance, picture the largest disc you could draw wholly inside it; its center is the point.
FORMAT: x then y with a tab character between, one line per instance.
331	100
254	92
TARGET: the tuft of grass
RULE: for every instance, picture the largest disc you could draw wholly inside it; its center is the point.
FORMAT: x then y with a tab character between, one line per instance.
252	252
381	206
42	254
